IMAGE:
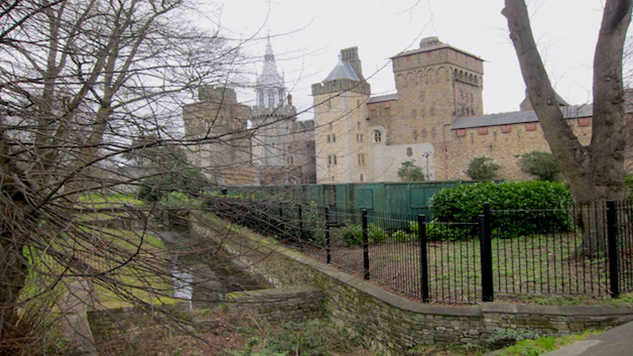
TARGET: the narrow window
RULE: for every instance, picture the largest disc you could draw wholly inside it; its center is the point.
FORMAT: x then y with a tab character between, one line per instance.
377	137
361	159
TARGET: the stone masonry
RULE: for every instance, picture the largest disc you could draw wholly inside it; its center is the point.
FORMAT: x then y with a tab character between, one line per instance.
435	118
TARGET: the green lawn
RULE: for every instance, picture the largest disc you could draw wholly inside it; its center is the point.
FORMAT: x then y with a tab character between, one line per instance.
531	269
125	265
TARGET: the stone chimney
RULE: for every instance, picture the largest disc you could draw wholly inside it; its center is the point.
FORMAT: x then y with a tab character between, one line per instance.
350	55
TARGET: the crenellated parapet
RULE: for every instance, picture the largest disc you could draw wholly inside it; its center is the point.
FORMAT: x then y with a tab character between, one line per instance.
341	85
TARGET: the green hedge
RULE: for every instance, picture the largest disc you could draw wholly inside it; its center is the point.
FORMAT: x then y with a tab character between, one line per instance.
519	208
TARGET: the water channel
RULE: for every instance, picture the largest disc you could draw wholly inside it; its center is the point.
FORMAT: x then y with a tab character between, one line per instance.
202	272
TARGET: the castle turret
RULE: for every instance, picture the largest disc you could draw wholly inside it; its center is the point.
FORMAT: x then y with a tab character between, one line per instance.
340	119
283	156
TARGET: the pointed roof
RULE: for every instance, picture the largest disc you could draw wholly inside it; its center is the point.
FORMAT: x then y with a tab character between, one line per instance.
270	76
343	70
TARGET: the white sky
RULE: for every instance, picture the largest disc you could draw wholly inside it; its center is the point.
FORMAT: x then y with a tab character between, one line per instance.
307	36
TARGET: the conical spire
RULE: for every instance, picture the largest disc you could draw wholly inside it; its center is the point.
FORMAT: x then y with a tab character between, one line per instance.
269	56
271	91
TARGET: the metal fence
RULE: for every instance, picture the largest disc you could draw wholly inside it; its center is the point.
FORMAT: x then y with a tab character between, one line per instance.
457	262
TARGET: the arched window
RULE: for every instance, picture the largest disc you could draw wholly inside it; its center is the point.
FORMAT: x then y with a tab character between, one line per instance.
377	136
260	95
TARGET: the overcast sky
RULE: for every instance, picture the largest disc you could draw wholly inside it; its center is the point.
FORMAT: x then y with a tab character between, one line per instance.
307	36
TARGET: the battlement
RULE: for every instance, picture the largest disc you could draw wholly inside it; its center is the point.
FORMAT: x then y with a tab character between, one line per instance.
286	111
217	94
303	126
341	85
433	52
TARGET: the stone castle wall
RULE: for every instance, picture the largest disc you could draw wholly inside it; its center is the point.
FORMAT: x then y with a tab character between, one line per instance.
503	143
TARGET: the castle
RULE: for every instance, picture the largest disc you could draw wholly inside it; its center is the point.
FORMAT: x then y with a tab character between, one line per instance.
235	145
435	118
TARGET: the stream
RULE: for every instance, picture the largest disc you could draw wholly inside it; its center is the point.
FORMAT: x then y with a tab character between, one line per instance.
203	274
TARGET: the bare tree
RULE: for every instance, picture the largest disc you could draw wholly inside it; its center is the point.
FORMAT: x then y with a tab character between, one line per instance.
80	81
594	172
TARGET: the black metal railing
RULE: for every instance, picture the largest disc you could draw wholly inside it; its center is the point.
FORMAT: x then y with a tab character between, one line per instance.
458	262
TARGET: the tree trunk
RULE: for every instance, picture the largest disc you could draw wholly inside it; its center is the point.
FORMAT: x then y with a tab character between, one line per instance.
13	273
595	173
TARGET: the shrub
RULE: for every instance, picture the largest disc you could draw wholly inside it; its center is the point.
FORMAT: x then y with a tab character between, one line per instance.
441	231
352	234
314	224
187	180
178	200
507	337
482	168
522	208
410	172
628	183
314	338
402	236
542	165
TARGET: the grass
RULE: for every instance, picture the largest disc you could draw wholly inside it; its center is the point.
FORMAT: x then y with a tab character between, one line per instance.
539	269
528	347
142	278
530	269
99	202
95	200
125	265
544	344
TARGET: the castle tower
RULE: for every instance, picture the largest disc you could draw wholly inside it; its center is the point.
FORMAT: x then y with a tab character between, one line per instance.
272	116
341	122
271	92
436	83
217	114
279	146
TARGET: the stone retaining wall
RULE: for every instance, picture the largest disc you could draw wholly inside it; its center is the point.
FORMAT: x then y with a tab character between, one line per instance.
279	305
389	323
276	306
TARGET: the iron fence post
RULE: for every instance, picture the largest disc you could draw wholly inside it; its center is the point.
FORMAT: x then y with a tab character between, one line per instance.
424	267
281	221
486	255
328	249
365	245
300	217
612	236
